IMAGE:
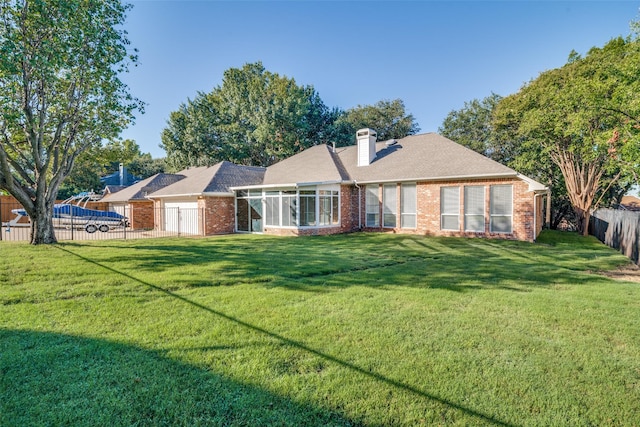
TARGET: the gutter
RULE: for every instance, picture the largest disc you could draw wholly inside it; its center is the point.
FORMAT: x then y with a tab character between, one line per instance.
287	185
169	196
443	178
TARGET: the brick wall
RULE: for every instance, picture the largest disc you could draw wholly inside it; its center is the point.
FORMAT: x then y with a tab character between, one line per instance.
218	214
349	196
141	215
353	212
428	211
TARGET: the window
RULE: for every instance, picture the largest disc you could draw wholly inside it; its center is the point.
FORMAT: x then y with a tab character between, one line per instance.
450	208
272	208
501	208
408	205
474	208
335	207
328	207
389	205
307	208
249	215
373	206
289	208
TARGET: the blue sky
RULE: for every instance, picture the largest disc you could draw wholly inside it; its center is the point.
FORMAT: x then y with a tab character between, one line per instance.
434	55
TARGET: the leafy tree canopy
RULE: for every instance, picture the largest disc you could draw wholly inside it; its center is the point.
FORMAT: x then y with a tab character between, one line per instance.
255	117
585	118
60	94
388	118
472	127
102	160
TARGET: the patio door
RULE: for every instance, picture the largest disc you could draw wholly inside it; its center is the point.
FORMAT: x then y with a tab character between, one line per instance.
249	214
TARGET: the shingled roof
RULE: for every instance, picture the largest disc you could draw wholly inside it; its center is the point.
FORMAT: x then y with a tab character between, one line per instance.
423	157
315	164
216	179
140	190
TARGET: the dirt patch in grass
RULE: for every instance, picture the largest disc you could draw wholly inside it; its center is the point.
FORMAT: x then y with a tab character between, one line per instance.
628	273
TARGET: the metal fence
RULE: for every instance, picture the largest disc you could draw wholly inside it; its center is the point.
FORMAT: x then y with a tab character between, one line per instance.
618	229
140	223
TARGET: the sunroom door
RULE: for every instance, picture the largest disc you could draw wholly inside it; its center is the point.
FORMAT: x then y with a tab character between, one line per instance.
249	215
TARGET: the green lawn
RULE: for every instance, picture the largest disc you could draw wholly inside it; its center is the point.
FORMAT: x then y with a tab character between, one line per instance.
359	329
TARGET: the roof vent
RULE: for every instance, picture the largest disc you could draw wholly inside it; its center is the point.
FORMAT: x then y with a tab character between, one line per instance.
366	146
391	142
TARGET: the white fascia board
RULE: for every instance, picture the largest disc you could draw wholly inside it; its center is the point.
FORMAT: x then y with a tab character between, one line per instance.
314	184
288	185
172	196
534	185
258	187
443	178
218	194
208	194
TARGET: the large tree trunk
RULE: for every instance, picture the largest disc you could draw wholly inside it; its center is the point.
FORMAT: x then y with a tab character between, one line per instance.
42	231
583	181
583	221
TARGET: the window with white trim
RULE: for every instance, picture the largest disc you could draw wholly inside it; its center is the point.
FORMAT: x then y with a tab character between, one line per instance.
289	208
450	208
389	205
408	205
474	208
307	208
328	207
501	208
372	206
272	208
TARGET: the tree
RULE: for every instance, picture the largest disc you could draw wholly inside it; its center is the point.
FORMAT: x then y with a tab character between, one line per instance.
472	126
585	118
255	118
59	94
101	160
144	166
388	118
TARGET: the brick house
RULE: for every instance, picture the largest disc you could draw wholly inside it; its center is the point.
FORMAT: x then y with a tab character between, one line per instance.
133	203
421	184
202	203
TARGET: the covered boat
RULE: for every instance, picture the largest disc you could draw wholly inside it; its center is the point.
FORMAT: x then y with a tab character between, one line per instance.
68	215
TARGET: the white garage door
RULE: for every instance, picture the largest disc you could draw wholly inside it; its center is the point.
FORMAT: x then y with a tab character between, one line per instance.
181	217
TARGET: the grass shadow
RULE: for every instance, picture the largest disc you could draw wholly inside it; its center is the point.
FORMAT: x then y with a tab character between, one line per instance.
56	379
328	358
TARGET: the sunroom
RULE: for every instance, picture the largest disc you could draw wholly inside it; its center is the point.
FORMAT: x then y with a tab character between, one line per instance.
287	209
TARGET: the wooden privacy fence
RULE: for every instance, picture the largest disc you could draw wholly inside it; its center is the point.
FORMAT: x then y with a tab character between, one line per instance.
618	229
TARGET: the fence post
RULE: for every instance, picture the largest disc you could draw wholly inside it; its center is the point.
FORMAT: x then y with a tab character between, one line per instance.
124	225
72	227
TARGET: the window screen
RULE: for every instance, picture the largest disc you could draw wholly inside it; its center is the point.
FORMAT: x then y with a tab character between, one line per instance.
474	208
373	206
390	205
408	205
272	207
450	208
501	208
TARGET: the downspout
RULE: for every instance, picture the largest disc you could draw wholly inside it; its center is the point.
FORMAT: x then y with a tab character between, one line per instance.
548	213
359	204
535	216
